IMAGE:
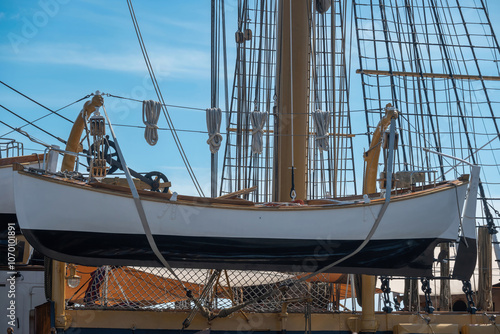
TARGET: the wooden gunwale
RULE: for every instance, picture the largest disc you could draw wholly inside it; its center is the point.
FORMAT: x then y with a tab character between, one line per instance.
239	204
22	159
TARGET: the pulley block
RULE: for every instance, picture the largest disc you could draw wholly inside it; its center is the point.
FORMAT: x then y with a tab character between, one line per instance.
109	154
97	125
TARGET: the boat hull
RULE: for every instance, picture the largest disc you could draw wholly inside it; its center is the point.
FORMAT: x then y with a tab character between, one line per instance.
7	206
80	224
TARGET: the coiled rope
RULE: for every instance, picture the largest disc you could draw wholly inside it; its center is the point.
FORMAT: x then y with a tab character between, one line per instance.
160	98
258	120
321	124
150	114
214	116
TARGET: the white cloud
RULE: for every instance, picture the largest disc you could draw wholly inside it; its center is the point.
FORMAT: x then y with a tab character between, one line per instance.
176	62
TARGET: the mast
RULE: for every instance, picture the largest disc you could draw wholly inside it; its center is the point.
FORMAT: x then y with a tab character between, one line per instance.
292	100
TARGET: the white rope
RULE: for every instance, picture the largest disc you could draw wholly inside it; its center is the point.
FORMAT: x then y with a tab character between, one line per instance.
150	114
161	99
321	124
214	116
258	120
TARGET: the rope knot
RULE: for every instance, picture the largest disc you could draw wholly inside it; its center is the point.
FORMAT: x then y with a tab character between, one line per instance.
151	125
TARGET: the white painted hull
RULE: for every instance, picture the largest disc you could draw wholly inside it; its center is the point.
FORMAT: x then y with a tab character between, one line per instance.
7	188
234	237
7	206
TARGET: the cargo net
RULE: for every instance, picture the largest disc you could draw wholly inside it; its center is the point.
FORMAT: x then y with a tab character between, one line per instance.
155	289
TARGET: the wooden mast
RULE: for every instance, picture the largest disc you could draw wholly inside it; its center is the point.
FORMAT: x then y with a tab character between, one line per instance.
293	94
485	252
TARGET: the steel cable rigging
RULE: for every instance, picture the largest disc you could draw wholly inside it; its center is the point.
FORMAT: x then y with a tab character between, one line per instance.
160	98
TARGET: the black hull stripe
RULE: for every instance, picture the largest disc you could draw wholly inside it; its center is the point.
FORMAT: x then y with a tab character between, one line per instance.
411	257
6	218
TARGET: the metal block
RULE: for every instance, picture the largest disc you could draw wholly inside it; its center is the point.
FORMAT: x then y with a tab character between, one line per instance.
406	179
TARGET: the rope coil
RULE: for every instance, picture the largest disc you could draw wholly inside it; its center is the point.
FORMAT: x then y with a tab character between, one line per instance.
258	120
321	124
150	114
214	116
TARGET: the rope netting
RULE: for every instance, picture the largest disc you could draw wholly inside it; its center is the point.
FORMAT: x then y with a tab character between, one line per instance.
331	172
437	62
156	289
253	90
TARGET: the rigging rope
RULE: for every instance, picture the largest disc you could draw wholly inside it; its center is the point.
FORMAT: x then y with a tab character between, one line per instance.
150	113
140	101
41	105
24	133
228	110
160	97
31	123
214	116
51	113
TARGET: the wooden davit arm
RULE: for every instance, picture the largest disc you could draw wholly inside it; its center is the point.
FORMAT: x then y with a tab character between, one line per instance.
73	144
372	155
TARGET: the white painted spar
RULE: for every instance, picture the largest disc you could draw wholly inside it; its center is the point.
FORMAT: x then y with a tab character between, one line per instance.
45	204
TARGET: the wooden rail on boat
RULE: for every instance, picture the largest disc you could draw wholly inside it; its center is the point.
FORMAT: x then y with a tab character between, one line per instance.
205	200
22	159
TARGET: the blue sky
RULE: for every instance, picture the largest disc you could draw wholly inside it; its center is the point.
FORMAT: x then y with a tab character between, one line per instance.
57	51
